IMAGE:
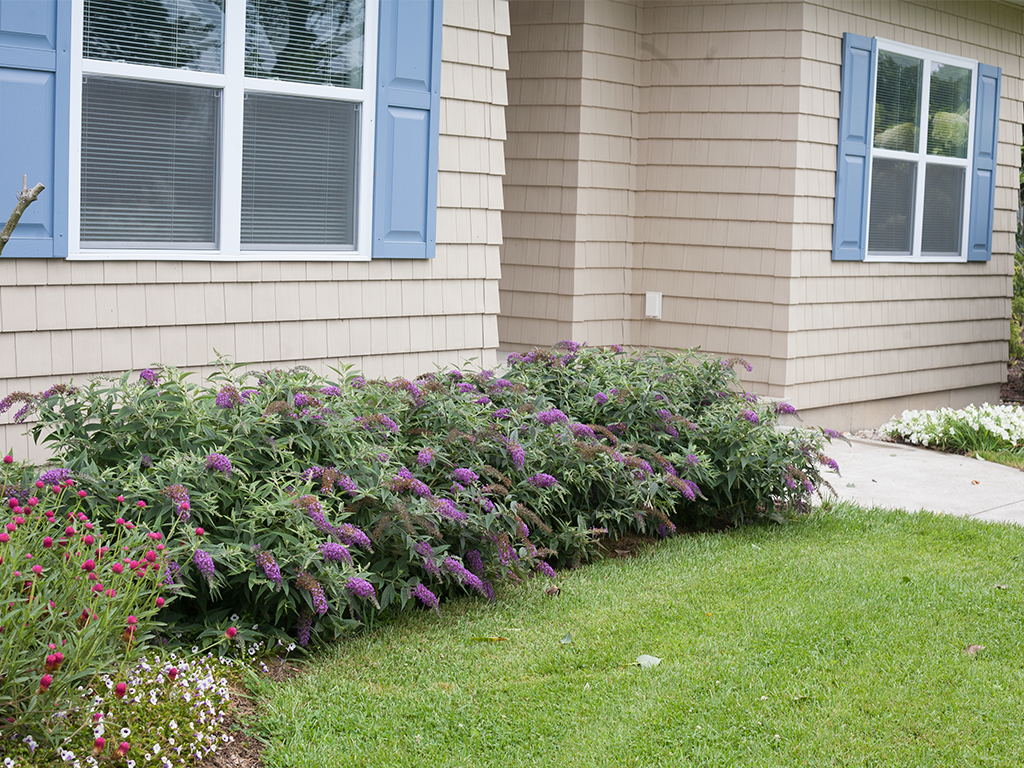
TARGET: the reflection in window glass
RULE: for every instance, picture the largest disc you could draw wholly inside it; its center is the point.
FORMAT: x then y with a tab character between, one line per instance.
943	209
897	102
949	110
892	206
305	41
180	34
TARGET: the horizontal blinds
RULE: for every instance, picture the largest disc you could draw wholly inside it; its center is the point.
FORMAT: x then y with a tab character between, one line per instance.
942	230
891	227
298	172
149	163
305	41
180	34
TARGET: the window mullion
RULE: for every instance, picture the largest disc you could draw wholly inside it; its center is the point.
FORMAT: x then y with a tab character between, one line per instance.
231	130
922	159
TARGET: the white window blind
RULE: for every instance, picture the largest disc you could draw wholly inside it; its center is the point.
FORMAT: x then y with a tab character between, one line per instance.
298	172
149	163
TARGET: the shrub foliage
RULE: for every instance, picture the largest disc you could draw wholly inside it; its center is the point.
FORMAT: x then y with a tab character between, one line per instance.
307	506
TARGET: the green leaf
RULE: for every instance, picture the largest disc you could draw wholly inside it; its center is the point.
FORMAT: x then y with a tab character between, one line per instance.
567	639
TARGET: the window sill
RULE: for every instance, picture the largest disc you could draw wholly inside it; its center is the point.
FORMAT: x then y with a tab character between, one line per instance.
101	254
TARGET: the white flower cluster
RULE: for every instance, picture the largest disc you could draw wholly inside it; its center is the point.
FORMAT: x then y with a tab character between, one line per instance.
988	426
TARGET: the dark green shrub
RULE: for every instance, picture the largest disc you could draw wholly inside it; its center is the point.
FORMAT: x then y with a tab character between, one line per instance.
307	506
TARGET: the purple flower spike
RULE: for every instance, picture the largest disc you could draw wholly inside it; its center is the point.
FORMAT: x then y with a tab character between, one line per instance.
544	569
446	508
600	398
458	570
228	397
464	476
749	416
362	588
149	376
552	416
270	567
542	480
782	408
334	552
350	535
218	462
424	550
425	596
424	457
204	563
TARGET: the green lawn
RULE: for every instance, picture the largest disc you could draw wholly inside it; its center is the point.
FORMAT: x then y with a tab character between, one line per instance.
833	641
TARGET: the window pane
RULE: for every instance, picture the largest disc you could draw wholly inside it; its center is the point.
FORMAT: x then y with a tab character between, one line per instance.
943	209
890	228
182	34
949	110
298	171
897	101
149	163
305	41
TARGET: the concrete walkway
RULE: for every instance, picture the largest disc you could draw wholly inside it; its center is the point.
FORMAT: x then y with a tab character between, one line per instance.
878	474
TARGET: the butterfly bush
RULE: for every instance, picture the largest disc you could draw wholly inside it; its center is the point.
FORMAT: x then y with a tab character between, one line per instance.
307	504
984	427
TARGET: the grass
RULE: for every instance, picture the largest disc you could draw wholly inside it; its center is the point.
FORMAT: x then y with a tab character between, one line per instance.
836	640
1007	458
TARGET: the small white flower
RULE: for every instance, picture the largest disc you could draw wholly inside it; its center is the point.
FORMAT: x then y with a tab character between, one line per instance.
98	730
233	618
9	762
156	748
174	725
126	732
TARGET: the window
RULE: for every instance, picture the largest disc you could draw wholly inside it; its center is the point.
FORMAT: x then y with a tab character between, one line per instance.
222	128
916	171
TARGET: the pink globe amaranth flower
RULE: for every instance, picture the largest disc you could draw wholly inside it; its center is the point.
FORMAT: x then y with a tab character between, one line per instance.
200	531
47	542
122	748
120	690
89	565
37	569
120	499
45	682
4	538
8	459
132	620
99	744
230	633
82	494
160	602
140	504
172	673
117	568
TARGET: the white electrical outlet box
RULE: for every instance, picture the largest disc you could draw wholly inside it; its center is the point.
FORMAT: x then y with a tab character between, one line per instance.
653	305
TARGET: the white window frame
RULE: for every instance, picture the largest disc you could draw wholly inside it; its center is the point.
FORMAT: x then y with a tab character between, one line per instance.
921	157
233	84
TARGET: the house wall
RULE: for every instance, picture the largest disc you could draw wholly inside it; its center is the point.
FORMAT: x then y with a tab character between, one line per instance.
571	159
63	320
731	199
868	340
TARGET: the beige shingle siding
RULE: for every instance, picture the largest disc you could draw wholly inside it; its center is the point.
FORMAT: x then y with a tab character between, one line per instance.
899	330
721	196
62	319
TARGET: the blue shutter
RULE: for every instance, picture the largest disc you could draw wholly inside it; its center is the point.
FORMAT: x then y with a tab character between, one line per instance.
35	93
983	171
408	118
850	225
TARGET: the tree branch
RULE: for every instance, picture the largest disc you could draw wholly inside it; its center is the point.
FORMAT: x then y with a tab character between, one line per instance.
25	198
